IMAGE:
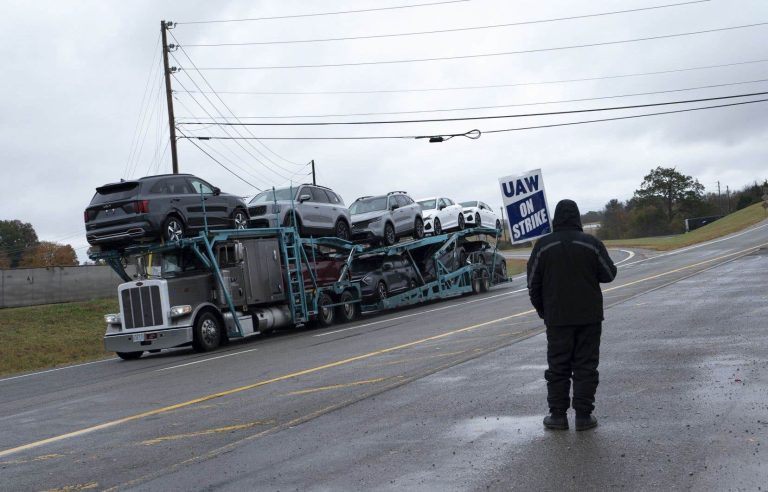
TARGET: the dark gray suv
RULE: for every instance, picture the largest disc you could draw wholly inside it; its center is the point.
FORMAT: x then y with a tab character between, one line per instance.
385	218
319	210
164	207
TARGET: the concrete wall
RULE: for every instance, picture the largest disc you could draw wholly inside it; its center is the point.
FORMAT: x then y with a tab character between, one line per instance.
32	286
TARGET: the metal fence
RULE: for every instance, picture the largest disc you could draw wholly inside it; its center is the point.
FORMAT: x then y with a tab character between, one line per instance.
33	286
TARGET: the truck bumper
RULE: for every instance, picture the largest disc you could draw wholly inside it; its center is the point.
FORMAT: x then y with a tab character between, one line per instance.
168	338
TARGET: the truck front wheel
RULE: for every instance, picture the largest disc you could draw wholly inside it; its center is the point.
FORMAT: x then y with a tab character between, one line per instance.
325	313
206	333
129	355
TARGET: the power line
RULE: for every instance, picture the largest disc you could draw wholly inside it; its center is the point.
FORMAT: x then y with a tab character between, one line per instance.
317	14
220	164
232	112
495	117
441	31
488	107
485	55
494	86
408	137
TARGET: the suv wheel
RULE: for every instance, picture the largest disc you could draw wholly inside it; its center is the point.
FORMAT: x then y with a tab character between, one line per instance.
478	222
239	219
289	219
389	235
461	222
381	291
173	228
418	229
342	230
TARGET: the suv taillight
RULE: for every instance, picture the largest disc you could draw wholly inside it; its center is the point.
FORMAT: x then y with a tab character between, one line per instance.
137	207
89	215
86	217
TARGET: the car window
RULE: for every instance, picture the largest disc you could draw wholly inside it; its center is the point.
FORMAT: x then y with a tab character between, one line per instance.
333	197
428	204
318	195
401	200
201	186
268	196
171	186
115	192
468	204
441	203
448	201
368	205
408	199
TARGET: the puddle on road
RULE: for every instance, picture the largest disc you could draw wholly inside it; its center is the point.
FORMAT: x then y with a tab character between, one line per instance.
504	428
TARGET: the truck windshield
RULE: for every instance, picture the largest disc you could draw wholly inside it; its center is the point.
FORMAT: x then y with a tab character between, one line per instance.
167	265
368	205
428	204
282	195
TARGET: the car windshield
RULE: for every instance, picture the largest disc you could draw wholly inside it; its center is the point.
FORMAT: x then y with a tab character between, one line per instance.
269	196
428	204
115	192
469	204
368	205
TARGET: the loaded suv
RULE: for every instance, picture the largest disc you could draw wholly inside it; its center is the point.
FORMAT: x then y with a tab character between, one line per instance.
385	218
318	210
165	207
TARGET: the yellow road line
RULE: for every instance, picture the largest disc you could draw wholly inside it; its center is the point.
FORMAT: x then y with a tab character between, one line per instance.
335	386
207	432
44	457
323	367
73	488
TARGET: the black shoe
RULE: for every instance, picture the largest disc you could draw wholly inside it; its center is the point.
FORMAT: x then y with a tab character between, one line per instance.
556	421
585	422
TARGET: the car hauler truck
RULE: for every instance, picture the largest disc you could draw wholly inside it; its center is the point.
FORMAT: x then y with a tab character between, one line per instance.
230	284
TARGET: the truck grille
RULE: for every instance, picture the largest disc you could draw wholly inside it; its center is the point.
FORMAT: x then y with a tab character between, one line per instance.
142	307
260	210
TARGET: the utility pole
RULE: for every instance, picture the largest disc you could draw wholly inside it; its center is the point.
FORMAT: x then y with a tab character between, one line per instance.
164	26
728	197
719	199
503	227
314	181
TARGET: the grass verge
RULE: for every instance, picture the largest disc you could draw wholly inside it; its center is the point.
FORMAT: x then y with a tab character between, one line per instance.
39	337
727	225
515	266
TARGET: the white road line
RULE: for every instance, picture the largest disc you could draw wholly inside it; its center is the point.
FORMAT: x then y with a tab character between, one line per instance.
56	369
688	248
205	360
416	314
630	253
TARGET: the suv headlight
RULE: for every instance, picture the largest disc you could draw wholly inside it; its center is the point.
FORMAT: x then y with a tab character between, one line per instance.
177	311
373	221
113	319
275	208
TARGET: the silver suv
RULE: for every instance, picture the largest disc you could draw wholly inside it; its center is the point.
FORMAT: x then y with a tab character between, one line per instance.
319	211
385	218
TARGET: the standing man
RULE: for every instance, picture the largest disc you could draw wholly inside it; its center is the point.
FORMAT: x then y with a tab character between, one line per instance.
564	275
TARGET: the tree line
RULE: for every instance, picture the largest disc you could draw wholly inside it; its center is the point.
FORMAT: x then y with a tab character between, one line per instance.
664	200
20	248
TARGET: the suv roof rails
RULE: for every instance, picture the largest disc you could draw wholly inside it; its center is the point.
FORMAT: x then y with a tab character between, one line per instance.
161	176
364	197
394	192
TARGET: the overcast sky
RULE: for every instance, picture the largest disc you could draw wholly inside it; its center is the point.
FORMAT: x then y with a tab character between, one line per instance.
74	76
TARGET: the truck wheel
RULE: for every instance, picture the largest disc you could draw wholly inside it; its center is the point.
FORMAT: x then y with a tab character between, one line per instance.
206	333
129	355
476	283
348	310
485	281
325	314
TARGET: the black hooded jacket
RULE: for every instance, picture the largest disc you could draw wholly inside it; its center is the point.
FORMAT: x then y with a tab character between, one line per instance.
565	271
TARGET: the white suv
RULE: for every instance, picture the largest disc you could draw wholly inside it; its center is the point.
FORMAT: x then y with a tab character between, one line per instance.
441	214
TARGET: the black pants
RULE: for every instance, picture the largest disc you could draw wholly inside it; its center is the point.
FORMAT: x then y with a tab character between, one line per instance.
573	352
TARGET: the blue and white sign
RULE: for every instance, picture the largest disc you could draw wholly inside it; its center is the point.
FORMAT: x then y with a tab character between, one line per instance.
526	204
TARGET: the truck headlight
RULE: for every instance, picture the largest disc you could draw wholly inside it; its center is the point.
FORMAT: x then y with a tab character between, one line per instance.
113	319
177	311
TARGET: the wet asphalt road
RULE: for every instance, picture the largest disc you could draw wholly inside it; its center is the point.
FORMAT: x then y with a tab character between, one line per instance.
444	396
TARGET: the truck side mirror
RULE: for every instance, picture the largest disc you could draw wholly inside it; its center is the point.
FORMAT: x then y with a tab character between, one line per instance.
386	267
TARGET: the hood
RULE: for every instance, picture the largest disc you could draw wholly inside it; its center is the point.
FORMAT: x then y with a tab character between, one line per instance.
428	214
367	215
567	216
